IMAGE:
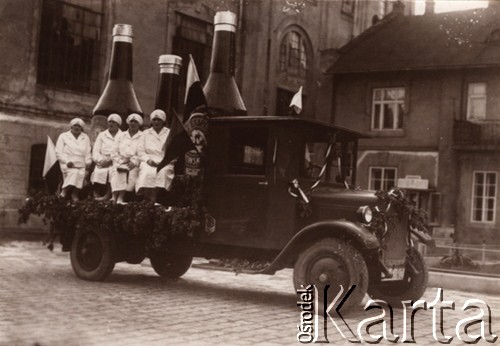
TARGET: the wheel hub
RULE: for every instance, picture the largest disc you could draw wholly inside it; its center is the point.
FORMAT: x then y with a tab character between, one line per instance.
328	270
90	251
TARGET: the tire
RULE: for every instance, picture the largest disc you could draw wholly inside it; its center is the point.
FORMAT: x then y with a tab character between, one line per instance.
170	265
334	262
412	287
92	254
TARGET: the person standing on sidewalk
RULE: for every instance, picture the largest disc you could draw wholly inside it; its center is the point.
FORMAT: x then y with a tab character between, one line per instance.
73	154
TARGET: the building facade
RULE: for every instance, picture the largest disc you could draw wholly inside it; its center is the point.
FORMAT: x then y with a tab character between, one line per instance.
429	98
56	57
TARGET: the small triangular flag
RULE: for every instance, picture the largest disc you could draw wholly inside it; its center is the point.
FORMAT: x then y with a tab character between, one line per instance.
51	170
296	102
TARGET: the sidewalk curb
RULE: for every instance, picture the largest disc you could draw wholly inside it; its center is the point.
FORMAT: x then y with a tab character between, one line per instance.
467	283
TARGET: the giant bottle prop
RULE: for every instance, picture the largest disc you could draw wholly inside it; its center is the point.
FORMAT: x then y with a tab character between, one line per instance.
220	90
167	95
118	95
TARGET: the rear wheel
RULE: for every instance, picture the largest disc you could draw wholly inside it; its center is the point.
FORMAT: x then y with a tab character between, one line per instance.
332	262
170	265
412	287
92	254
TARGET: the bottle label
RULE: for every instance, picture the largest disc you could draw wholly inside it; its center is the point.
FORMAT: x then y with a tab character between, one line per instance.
192	162
120	38
225	27
173	69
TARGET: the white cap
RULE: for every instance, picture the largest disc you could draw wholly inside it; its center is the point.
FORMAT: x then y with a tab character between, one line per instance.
158	113
77	121
116	118
225	21
170	63
136	117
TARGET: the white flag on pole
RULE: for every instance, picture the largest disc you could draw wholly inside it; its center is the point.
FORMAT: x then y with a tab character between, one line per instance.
296	102
50	157
192	76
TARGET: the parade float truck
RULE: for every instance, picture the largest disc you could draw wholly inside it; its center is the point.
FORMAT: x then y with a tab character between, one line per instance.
261	193
278	191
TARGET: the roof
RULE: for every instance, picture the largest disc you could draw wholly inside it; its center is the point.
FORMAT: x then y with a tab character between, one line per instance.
431	41
287	121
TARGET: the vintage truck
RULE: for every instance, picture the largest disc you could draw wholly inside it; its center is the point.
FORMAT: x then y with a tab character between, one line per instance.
281	190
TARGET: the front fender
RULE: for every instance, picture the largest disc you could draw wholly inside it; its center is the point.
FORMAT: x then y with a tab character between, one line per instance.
363	239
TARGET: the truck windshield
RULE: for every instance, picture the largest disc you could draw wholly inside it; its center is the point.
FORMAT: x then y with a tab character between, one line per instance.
314	159
338	166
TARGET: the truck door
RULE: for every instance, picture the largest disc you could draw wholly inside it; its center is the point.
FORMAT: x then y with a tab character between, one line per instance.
238	188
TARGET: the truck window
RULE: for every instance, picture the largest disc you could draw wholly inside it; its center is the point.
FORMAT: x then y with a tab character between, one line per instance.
248	150
314	159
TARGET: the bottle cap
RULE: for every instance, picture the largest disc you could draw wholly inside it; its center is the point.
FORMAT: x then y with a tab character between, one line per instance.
225	21
122	32
170	63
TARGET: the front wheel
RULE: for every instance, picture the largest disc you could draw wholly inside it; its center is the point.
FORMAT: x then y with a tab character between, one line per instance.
412	287
332	262
92	254
170	265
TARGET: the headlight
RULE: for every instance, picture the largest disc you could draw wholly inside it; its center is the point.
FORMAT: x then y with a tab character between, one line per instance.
365	213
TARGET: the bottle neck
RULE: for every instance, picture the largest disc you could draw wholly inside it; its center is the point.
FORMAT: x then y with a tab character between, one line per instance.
223	52
167	95
121	60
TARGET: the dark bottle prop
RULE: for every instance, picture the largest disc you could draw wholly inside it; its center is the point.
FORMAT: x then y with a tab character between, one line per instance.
119	95
167	95
220	90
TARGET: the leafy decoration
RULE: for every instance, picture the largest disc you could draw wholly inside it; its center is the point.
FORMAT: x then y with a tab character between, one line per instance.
391	204
142	222
240	265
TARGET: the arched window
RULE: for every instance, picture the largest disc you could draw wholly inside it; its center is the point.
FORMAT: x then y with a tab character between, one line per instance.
293	57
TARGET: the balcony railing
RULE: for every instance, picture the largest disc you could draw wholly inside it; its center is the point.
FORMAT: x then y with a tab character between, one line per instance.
468	133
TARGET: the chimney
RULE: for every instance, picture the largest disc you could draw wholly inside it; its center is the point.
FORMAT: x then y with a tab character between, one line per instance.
429	6
398	8
220	90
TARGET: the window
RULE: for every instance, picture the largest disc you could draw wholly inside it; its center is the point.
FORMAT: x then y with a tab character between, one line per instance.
382	178
70	37
476	101
388	108
36	182
314	159
348	7
293	58
383	8
434	210
192	36
484	197
414	197
248	150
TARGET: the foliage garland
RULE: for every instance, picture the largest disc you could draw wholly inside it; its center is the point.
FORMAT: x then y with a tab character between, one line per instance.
390	205
141	222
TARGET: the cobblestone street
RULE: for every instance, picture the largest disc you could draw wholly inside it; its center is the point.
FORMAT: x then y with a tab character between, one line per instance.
43	303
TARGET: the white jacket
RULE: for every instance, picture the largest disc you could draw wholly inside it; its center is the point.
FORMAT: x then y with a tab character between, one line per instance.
76	150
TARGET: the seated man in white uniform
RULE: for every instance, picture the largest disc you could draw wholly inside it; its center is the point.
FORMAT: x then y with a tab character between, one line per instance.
101	155
126	159
151	151
73	154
